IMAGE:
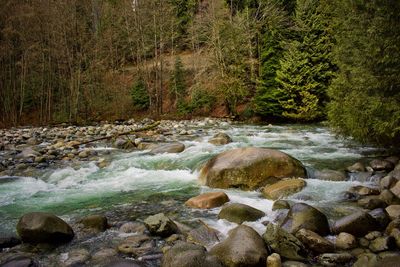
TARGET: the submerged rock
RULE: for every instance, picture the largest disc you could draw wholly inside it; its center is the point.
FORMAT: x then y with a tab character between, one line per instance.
249	168
41	227
220	139
284	243
283	188
302	215
168	148
95	222
208	200
330	175
240	213
19	261
243	247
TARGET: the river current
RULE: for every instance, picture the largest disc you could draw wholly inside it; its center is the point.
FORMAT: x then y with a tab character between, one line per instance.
137	184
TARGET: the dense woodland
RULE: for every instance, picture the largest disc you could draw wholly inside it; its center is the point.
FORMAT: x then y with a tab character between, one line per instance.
292	61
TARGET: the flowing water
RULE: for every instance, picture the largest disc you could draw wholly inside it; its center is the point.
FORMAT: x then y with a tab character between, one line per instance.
138	184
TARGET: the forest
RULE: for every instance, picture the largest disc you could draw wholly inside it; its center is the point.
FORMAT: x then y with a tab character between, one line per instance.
278	61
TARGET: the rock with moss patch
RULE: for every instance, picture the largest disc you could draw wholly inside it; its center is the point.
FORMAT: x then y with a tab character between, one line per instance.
160	225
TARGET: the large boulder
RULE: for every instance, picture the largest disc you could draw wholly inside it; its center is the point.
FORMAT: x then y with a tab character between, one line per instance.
284	243
42	227
314	241
239	213
161	225
208	200
283	188
250	168
243	247
358	224
302	215
168	148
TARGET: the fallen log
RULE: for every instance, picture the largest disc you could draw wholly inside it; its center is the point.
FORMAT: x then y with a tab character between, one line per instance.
142	129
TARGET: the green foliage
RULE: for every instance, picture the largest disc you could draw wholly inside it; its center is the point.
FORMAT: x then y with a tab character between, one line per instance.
184	12
140	96
365	96
178	86
306	69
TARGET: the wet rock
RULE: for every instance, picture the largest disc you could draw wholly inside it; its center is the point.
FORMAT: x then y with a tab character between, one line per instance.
189	255
168	148
208	200
284	243
274	260
345	241
220	139
381	165
335	259
364	190
294	264
393	159
84	154
77	257
396	189
361	176
358	224
19	261
314	241
302	215
125	263
393	211
363	242
371	202
103	255
395	233
280	204
372	235
204	236
243	247
133	227
366	260
96	222
392	225
41	227
356	167
135	245
283	188
330	175
382	243
249	168
240	213
393	261
381	217
161	225
388	197
387	182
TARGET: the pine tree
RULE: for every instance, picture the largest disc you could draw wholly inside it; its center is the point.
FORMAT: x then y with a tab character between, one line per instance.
140	96
306	68
178	87
366	93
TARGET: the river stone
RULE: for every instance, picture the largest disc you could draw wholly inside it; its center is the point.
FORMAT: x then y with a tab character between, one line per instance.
396	189
392	225
371	202
208	200
280	205
388	197
161	225
314	241
189	255
393	261
77	257
393	159
330	175
358	223
387	182
204	236
395	233
9	241
125	263
382	244
249	168
356	167
302	215
284	243
345	241
243	247
41	227
335	259
381	217
19	261
168	148
220	139
393	211
366	260
131	244
283	188
274	260
294	264
96	222
133	227
239	213
364	190
381	165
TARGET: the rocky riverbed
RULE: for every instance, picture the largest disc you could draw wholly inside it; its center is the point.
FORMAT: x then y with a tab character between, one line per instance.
135	199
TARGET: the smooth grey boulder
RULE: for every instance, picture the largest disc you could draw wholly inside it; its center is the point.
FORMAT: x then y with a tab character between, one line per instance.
168	148
42	227
240	213
243	247
357	224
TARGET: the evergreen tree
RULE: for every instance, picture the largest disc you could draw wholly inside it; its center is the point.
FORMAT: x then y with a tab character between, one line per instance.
306	69
178	87
140	96
366	93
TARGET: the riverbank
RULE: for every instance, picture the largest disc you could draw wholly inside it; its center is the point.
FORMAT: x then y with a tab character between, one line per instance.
126	180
